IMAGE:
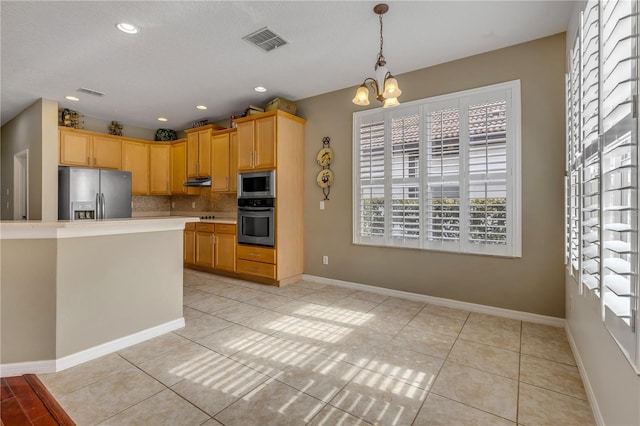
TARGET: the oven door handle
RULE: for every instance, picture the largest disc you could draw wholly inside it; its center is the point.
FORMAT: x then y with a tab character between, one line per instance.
256	209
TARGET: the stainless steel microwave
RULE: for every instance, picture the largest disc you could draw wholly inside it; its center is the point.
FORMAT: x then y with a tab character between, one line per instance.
257	184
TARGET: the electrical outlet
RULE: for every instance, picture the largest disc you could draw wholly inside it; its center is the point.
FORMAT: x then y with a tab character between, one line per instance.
173	204
325	260
193	205
321	205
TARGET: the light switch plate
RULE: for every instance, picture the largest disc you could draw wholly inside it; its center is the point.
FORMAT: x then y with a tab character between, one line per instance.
321	205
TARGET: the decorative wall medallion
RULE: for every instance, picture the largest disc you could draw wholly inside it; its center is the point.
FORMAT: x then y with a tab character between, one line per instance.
324	159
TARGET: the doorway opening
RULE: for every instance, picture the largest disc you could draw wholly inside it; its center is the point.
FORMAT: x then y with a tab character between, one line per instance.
21	185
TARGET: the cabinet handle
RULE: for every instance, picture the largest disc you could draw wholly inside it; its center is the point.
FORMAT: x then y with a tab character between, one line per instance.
254	254
89	160
257	158
94	161
227	182
251	159
210	238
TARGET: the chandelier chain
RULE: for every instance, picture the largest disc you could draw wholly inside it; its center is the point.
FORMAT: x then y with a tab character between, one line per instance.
381	60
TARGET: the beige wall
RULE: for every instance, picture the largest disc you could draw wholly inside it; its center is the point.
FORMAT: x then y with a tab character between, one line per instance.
85	292
34	129
27	296
114	286
533	283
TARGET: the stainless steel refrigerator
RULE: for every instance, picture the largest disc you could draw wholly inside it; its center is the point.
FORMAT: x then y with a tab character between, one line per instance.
90	194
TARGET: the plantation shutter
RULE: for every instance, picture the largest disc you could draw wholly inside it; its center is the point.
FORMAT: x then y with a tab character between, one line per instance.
405	177
619	167
443	176
590	143
576	159
371	200
487	190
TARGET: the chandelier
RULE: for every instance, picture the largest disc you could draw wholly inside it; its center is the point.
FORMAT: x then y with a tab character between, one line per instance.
383	79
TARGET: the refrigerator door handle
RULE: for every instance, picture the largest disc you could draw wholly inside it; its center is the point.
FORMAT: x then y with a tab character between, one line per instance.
102	202
97	205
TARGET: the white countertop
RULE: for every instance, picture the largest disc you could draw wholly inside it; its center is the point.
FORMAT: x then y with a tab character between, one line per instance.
37	229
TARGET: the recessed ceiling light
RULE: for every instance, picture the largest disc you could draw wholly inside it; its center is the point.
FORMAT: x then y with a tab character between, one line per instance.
72	98
127	28
162	119
201	106
260	89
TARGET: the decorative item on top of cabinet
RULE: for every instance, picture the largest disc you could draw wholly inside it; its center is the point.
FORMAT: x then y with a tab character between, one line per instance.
70	118
164	135
324	159
115	128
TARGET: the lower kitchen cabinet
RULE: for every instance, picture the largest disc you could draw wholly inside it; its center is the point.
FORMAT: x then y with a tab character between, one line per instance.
225	247
259	261
205	242
189	244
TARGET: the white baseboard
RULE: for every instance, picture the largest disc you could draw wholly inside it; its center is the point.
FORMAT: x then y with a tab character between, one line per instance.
31	367
450	303
591	396
52	366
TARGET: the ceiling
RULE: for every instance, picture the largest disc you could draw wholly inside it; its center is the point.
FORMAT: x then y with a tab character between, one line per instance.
189	53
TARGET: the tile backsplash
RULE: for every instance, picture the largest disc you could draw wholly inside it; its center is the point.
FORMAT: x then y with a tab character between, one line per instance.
207	201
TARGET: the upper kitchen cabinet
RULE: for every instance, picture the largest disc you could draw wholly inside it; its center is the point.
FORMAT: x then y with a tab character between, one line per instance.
179	169
82	148
257	142
199	150
160	169
233	161
135	159
223	162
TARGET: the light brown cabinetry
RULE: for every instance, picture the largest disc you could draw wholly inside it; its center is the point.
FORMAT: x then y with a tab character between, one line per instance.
81	148
205	242
210	246
189	244
135	159
225	248
224	161
179	169
160	169
257	143
199	150
277	139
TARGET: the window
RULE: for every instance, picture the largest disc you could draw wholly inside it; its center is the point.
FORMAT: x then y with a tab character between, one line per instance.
441	173
602	149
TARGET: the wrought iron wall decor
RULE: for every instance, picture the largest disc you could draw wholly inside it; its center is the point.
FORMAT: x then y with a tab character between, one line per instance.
324	159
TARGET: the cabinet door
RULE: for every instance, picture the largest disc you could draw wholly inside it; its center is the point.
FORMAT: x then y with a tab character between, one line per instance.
265	143
135	158
178	167
204	249
220	162
160	165
226	252
204	152
245	146
189	247
75	149
192	154
233	162
107	152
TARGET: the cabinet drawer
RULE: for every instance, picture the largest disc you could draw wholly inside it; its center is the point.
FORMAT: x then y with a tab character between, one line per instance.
205	227
258	254
224	228
190	226
266	270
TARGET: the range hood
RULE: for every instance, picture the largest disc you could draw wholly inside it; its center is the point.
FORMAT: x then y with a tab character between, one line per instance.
198	182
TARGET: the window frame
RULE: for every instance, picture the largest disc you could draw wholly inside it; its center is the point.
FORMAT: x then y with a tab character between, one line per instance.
511	93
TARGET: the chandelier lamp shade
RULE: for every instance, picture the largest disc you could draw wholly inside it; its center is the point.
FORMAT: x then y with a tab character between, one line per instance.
383	84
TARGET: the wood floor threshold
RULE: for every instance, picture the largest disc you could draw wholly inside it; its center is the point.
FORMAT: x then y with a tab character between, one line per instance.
57	412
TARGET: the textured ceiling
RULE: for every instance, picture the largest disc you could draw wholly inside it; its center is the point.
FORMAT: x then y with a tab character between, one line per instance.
191	52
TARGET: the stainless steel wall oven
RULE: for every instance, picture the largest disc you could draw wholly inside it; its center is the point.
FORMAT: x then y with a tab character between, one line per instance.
256	221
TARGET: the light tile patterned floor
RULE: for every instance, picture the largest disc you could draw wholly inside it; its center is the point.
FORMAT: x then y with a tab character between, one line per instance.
323	355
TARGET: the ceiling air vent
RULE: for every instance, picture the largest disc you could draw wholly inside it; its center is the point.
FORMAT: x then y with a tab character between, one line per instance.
265	39
90	92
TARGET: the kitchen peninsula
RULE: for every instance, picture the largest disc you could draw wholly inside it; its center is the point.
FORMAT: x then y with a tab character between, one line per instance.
73	291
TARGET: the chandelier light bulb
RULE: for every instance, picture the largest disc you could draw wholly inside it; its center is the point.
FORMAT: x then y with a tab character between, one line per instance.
391	89
362	96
